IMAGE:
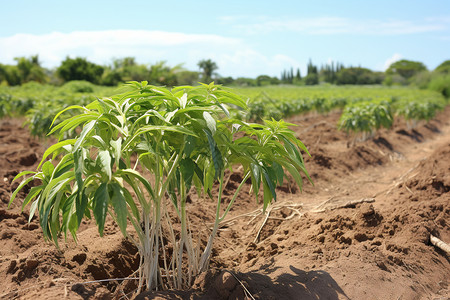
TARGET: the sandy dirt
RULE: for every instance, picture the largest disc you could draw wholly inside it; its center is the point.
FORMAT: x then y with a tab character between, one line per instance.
361	232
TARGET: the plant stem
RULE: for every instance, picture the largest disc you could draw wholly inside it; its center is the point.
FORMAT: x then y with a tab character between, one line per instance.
204	259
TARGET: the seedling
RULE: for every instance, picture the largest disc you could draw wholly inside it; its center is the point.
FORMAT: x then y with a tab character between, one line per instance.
140	152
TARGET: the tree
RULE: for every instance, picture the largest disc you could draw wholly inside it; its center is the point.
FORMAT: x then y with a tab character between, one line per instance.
263	80
162	74
406	68
312	76
358	75
9	74
207	67
29	69
80	69
443	67
298	76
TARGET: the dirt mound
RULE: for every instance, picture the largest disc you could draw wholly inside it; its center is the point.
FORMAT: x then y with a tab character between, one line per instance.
362	231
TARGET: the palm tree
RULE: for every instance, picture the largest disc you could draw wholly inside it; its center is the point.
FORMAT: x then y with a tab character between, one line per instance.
208	67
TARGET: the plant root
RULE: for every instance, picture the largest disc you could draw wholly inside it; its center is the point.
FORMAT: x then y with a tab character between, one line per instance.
440	244
350	203
246	291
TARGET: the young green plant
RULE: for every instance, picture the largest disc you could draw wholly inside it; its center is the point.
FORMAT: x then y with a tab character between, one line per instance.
139	154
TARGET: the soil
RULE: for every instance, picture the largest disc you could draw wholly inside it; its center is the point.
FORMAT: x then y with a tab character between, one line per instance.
361	232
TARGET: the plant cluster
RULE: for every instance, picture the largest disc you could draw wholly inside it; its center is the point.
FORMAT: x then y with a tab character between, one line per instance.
137	157
364	118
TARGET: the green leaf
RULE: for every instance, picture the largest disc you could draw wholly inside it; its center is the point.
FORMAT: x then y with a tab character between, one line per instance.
268	181
86	130
210	122
48	168
187	167
81	203
132	205
117	149
78	160
22	174
100	206
34	191
33	208
105	162
120	206
55	147
267	199
64	110
189	145
21	185
216	155
256	176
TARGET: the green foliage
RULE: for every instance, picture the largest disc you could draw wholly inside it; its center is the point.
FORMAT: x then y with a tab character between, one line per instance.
405	68
208	67
79	69
311	79
443	67
39	103
418	110
358	76
441	84
265	80
180	138
161	74
78	86
30	69
366	117
191	78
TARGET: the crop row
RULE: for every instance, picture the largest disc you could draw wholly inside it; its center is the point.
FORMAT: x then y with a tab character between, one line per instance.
364	109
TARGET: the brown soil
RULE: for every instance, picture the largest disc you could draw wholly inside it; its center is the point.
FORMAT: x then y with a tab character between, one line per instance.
361	232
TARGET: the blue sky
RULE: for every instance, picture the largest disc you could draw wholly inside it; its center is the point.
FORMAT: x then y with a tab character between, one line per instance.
244	38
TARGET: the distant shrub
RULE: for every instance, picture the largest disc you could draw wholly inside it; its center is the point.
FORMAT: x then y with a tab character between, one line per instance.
79	86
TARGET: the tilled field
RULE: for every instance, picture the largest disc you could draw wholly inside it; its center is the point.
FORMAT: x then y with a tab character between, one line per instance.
361	232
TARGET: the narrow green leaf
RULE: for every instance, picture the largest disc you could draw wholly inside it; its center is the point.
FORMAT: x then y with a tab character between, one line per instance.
105	162
34	191
189	145
81	203
64	110
86	130
117	149
33	208
100	206
21	185
216	155
23	174
132	205
210	122
187	167
55	147
120	206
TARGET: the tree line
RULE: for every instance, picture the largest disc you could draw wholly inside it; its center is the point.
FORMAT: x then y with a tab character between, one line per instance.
120	70
403	72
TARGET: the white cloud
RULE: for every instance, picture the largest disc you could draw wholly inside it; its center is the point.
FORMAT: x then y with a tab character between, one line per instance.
232	55
391	60
100	46
338	25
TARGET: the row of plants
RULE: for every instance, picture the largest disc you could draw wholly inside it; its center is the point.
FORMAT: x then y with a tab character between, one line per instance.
365	109
41	102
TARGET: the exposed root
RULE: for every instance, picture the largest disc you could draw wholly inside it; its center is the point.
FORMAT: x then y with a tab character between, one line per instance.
246	291
440	244
350	203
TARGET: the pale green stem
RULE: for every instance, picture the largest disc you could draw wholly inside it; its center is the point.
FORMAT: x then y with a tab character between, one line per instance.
204	259
234	197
